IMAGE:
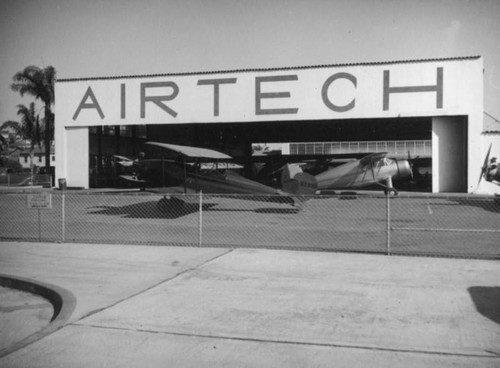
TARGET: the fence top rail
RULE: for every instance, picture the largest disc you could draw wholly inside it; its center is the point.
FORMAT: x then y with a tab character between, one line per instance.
340	194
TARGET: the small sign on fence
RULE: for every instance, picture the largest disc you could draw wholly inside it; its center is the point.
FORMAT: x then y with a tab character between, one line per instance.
40	200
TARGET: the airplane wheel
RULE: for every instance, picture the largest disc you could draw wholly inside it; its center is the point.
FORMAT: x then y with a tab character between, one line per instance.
391	192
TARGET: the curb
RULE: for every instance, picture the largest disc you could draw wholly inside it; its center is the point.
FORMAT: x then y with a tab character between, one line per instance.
63	301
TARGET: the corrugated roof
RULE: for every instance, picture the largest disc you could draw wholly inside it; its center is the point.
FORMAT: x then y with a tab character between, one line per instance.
272	69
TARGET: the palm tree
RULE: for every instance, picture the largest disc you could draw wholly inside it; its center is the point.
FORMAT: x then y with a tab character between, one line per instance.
3	143
27	129
39	83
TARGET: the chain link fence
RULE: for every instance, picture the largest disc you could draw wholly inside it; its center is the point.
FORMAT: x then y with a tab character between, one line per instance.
25	179
449	226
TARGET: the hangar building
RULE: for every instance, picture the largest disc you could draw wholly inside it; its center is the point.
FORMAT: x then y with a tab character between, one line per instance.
437	101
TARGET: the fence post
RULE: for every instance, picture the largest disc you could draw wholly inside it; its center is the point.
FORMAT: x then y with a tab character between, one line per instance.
200	225
39	226
388	223
63	216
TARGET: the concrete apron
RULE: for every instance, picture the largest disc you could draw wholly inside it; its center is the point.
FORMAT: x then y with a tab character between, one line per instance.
283	308
406	304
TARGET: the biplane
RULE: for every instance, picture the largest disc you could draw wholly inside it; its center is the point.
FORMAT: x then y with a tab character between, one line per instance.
176	169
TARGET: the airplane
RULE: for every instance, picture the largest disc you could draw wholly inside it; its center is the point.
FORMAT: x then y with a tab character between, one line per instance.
489	170
375	168
491	175
177	169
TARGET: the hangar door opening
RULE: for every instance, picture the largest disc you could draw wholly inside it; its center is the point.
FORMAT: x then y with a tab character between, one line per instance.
400	136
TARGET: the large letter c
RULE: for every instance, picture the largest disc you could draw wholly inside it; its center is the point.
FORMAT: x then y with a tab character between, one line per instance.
326	85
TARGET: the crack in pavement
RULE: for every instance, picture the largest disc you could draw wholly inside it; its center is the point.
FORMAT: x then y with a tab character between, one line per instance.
95	311
489	354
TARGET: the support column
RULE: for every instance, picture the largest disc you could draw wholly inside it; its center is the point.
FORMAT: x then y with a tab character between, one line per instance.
449	154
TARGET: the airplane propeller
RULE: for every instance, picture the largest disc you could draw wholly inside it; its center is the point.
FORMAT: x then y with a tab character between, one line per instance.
484	168
411	162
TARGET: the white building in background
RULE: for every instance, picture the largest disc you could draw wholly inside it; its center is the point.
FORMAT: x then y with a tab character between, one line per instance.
446	92
38	158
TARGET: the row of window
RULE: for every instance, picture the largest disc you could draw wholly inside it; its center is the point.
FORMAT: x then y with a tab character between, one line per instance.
124	130
39	157
423	147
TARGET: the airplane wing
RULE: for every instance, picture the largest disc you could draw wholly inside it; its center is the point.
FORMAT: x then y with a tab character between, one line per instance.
124	161
133	178
122	158
193	152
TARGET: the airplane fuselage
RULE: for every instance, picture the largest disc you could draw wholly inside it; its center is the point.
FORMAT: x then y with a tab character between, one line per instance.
162	173
352	175
226	182
493	174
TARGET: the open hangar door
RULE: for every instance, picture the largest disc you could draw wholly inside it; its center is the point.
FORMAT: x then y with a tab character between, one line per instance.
236	140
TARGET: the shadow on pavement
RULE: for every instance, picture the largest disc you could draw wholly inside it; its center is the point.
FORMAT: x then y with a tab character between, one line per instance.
151	210
487	301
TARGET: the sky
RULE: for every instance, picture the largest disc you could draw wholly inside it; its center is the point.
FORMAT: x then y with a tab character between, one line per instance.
97	38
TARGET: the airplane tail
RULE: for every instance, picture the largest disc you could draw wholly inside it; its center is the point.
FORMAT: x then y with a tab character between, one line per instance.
297	182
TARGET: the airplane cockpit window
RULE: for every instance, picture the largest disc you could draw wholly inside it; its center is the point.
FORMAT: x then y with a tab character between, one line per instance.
383	162
212	169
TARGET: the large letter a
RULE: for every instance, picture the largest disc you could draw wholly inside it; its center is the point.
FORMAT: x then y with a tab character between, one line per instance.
85	105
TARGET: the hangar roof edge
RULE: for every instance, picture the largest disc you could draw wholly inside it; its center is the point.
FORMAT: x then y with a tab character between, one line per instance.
271	69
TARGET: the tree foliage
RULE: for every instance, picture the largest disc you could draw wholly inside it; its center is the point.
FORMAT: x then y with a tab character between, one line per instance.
39	83
27	129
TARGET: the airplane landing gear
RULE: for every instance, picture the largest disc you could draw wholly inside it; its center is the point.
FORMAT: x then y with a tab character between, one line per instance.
391	192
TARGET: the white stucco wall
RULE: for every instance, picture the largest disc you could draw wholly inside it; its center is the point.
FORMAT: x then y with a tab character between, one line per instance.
72	150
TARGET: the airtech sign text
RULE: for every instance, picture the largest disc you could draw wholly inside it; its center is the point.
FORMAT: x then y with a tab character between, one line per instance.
303	94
